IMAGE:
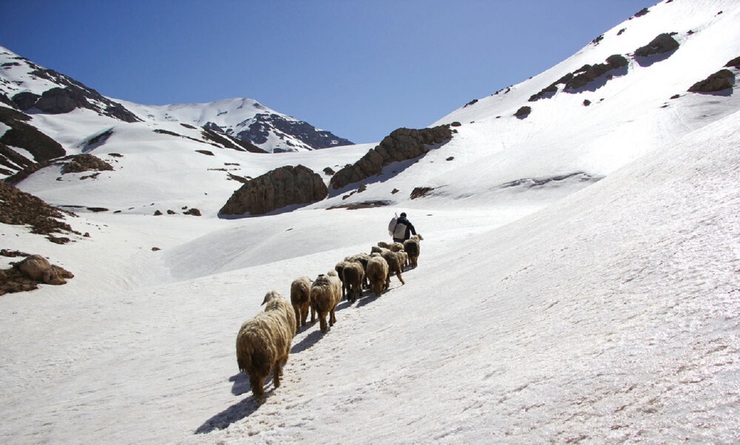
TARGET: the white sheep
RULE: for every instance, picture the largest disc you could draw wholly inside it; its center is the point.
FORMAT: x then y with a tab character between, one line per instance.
263	343
326	293
377	273
412	246
300	298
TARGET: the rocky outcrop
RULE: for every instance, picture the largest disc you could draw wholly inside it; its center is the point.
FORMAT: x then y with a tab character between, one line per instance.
27	274
660	48
264	126
23	135
67	96
276	189
587	74
85	162
20	208
721	80
401	145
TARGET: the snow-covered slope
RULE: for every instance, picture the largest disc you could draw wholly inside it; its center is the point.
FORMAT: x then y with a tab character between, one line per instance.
577	282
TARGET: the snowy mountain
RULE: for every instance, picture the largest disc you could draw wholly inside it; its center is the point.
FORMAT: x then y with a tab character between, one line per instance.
45	108
577	280
246	120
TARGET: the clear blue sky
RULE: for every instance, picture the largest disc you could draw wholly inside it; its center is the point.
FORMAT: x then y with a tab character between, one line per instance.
358	68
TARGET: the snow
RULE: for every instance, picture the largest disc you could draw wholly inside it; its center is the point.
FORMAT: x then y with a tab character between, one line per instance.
603	310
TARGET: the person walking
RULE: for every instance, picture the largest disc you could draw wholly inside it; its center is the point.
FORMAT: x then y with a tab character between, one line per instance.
403	230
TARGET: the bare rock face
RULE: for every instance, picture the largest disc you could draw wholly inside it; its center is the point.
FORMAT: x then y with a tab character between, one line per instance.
276	189
401	145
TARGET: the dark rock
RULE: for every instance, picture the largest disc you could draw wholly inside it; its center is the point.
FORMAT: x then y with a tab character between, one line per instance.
661	44
263	125
85	162
587	74
734	63
276	189
20	208
25	136
721	80
401	145
523	112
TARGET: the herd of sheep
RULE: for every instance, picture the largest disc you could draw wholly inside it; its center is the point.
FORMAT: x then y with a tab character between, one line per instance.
264	341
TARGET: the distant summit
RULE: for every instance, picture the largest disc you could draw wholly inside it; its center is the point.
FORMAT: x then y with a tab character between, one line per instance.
247	120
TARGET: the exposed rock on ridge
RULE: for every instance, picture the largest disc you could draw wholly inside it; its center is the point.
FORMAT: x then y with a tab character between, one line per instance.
276	189
401	145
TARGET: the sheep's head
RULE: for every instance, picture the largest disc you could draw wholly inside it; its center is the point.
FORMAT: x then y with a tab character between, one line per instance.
271	296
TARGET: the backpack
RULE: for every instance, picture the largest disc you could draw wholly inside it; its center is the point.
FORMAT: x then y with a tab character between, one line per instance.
392	225
400	231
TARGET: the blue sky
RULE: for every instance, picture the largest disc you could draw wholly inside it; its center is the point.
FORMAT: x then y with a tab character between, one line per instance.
357	68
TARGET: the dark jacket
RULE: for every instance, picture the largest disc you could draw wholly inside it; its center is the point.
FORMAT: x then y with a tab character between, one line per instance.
409	229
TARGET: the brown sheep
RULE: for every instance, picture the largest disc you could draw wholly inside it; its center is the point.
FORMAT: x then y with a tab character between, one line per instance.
263	343
354	275
395	264
300	298
326	293
412	246
377	273
361	258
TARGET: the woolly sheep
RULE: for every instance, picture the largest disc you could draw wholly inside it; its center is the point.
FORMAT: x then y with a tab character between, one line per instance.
300	298
412	246
354	275
339	268
377	273
395	264
263	343
326	293
361	258
396	247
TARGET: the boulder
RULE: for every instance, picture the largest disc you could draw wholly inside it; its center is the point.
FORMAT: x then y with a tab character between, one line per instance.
40	269
276	189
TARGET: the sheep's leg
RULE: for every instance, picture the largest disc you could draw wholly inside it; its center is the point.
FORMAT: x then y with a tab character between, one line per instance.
332	318
276	373
400	278
258	390
322	322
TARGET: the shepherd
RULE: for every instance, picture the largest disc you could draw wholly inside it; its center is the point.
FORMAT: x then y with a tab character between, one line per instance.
403	229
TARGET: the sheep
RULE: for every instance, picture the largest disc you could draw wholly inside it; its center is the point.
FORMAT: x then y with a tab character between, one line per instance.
412	246
354	275
300	298
396	247
395	264
326	292
361	258
377	273
339	268
403	257
263	343
384	245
